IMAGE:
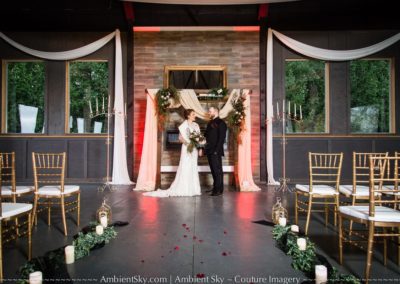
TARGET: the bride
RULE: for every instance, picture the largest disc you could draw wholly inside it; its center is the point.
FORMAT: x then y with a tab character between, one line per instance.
186	181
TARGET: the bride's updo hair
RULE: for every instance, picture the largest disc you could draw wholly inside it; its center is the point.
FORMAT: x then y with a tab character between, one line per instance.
187	112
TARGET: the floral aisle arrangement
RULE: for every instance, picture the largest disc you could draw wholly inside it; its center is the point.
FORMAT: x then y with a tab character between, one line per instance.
237	116
306	259
53	265
163	101
196	140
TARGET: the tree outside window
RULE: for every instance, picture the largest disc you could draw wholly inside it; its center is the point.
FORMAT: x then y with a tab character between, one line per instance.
305	86
25	97
88	96
370	96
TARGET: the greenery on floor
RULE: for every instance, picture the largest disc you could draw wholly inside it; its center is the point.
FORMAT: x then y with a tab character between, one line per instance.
306	260
52	264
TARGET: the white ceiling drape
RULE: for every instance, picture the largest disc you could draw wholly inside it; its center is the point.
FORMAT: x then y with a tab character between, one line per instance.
120	169
312	52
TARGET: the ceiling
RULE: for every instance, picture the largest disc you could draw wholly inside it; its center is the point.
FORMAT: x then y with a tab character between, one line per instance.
106	15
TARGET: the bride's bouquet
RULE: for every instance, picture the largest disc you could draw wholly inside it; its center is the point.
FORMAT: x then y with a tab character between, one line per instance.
196	140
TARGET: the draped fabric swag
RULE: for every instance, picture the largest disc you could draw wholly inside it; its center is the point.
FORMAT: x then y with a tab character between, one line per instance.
148	164
120	169
313	52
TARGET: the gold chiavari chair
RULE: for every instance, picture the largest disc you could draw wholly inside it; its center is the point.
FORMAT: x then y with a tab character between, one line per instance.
391	186
324	175
49	174
359	189
9	212
378	216
10	189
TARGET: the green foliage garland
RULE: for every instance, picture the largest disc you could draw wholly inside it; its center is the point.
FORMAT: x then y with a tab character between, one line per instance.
83	244
306	260
218	93
163	97
237	116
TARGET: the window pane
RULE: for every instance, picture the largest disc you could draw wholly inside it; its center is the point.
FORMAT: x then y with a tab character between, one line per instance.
25	97
370	96
305	86
88	97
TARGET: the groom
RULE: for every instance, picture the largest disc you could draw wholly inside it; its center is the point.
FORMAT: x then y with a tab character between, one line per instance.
214	149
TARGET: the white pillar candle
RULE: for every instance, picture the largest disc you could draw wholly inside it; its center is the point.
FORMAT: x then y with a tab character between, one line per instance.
302	243
294	228
295	110
36	277
103	221
321	274
289	107
69	254
109	102
90	107
97	105
282	221
99	229
103	104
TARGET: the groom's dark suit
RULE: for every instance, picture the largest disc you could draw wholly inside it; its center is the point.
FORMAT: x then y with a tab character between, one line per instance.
215	135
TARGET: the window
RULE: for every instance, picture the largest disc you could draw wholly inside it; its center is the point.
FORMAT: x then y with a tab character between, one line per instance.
305	86
370	96
23	100
88	97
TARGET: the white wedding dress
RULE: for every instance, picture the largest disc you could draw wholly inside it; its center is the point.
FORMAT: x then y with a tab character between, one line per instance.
186	181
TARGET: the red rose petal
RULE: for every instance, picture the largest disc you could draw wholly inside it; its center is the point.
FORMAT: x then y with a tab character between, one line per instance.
176	248
219	243
200	241
225	232
194	237
200	275
184	225
142	261
185	236
224	254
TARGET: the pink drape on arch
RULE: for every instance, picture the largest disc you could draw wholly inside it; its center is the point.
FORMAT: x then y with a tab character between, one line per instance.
148	164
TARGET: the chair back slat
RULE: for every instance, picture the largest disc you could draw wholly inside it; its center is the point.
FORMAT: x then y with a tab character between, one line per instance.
325	168
49	169
8	170
384	179
361	168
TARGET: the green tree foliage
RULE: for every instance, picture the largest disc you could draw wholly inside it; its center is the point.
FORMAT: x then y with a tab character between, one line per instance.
88	82
25	85
305	86
370	90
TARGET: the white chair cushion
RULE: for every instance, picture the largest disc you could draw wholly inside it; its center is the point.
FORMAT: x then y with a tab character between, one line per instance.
391	187
10	209
361	190
319	189
56	189
6	189
382	213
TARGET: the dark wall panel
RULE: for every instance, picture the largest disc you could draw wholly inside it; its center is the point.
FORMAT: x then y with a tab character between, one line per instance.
77	162
19	147
96	159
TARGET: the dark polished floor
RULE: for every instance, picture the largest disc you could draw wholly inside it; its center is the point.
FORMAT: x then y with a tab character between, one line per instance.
175	239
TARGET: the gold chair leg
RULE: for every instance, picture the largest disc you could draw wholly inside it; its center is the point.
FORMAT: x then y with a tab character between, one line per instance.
371	230
29	236
308	213
63	215
48	211
296	208
353	202
340	240
336	210
79	209
35	204
14	200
